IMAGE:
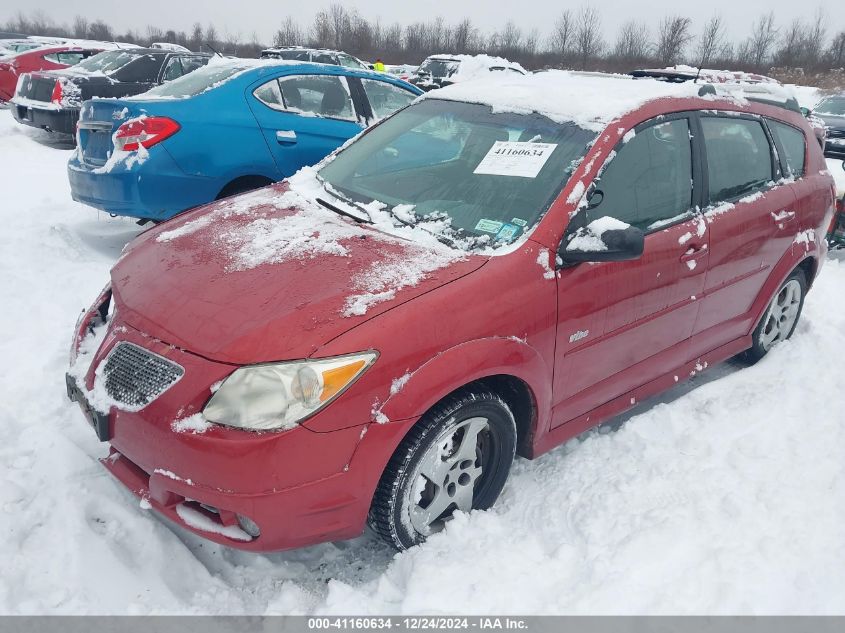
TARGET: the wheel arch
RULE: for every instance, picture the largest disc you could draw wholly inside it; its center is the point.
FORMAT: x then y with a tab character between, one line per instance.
507	366
241	184
808	264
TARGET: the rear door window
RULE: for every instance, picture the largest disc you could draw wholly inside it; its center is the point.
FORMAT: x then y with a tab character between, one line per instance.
739	157
793	144
321	95
143	69
173	69
386	98
192	63
649	182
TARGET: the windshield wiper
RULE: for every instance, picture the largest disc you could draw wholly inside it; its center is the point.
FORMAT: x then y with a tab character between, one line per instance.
345	213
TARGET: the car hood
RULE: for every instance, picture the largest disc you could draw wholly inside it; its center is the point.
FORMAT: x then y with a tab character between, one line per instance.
256	278
833	121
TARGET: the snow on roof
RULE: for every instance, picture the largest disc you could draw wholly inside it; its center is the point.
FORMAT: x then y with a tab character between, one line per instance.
589	101
710	75
475	66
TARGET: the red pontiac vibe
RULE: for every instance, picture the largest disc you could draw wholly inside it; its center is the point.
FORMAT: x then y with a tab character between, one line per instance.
44	58
492	270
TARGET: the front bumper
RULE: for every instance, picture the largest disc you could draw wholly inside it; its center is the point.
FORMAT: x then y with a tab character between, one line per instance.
62	121
301	487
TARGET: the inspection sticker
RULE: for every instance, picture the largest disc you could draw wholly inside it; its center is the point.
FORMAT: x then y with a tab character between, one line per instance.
488	226
512	158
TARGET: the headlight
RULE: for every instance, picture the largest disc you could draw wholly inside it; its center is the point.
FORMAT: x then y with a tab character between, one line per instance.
278	395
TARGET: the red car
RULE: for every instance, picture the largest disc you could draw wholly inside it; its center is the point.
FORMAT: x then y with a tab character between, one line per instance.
44	58
492	270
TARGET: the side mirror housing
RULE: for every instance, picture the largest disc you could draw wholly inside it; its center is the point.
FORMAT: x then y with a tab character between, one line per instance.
602	240
805	111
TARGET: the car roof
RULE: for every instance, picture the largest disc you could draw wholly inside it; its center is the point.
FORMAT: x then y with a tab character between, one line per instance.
248	70
593	102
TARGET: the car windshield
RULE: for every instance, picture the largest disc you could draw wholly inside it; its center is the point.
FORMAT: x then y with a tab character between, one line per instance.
106	63
196	82
299	55
438	67
832	105
459	169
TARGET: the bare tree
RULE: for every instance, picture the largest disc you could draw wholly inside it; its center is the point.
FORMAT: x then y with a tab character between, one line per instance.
289	34
588	40
814	36
196	37
509	39
836	52
632	42
463	35
80	27
563	34
792	43
672	38
710	41
762	40
99	30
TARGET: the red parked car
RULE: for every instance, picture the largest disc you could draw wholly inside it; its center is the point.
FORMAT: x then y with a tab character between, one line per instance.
44	58
492	270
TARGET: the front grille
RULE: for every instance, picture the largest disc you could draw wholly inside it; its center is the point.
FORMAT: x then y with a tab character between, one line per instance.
838	133
135	376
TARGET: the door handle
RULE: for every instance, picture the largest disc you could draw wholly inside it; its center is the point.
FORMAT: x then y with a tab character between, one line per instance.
286	137
694	252
782	218
692	255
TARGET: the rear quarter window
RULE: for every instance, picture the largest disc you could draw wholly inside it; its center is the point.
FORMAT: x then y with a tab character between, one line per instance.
739	157
794	146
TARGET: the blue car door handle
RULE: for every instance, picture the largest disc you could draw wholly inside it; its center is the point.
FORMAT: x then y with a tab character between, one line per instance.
286	137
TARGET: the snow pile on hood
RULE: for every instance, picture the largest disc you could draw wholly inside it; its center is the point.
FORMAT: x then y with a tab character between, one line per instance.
591	101
312	231
384	278
473	67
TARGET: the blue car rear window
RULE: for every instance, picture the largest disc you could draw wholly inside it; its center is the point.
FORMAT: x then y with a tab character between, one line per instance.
196	82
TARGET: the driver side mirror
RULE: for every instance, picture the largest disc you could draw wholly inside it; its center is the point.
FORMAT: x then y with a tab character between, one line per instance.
806	111
602	240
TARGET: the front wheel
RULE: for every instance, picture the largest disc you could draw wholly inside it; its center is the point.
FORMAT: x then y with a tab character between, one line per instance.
781	317
457	457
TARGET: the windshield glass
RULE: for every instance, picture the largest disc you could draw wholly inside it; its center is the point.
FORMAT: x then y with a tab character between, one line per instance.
832	105
438	67
106	63
477	176
195	82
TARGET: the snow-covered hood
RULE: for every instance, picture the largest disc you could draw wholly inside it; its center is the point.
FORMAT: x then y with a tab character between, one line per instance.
270	276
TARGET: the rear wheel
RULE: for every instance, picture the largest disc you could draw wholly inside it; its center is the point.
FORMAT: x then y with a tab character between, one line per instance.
457	457
781	317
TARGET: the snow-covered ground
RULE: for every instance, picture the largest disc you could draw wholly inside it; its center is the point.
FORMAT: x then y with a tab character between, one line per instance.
725	496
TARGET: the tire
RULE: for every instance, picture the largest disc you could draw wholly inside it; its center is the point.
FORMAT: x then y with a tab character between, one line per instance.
780	318
457	456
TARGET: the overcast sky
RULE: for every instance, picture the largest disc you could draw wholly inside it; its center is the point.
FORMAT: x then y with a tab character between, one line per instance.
263	16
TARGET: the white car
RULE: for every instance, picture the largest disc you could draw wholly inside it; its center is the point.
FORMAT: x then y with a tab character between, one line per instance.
438	71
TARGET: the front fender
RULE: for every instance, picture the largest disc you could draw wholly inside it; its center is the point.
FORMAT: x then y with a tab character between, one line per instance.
465	363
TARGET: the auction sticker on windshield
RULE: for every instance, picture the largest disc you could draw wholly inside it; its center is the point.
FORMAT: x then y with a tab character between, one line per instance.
512	158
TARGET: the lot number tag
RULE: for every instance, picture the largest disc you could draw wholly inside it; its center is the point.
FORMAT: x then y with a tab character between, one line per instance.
512	158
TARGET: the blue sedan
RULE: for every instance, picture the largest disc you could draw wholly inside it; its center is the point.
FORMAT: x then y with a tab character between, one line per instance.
232	126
